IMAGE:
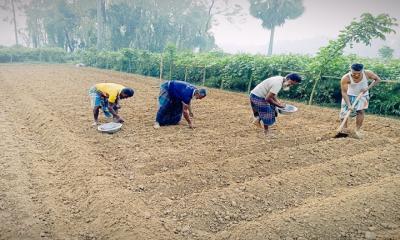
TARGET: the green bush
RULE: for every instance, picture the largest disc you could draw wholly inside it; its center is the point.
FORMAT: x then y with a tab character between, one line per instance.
234	72
21	54
239	72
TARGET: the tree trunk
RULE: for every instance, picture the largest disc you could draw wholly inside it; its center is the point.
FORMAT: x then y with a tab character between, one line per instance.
15	22
34	41
68	42
161	67
249	85
204	74
179	38
271	41
34	34
314	87
209	16
100	24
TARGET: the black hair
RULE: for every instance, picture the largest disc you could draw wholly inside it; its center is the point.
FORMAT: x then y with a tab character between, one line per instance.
357	67
127	92
294	77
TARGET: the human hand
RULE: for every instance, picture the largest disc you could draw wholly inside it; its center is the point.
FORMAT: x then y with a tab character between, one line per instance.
191	126
118	120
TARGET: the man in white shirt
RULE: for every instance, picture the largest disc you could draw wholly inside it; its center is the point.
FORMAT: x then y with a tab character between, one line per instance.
263	98
352	84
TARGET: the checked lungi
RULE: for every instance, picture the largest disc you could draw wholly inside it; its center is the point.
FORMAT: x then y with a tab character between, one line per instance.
263	109
97	100
170	110
362	104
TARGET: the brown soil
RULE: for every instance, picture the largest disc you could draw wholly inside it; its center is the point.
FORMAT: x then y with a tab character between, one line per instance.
61	179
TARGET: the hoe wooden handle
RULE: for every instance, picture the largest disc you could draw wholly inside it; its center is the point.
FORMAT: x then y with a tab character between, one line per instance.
349	112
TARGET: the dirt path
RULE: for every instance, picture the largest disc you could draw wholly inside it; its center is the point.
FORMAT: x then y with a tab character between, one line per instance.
61	179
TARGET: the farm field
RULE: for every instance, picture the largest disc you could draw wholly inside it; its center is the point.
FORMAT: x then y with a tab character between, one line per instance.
61	179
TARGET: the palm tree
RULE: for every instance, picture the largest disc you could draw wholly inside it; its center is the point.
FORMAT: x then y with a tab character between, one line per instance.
101	17
274	13
11	5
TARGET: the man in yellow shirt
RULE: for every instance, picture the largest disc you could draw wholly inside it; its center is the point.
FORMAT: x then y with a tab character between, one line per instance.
106	96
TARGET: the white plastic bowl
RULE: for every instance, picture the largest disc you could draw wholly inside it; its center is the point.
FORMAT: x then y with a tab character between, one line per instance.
289	109
110	127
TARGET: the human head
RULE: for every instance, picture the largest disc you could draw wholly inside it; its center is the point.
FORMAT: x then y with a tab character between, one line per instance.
356	70
291	79
126	93
200	93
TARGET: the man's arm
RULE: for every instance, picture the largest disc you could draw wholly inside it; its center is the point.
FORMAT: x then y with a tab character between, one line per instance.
190	110
371	75
112	111
186	114
271	98
344	85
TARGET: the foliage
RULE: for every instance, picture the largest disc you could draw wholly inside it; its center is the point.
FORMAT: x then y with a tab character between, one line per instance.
147	25
386	52
21	54
364	30
11	7
242	72
59	24
274	13
232	72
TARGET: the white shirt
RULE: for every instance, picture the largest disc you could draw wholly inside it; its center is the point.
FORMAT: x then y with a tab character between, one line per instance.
355	88
272	84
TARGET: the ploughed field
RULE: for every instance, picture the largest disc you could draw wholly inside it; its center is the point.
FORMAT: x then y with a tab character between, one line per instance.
61	179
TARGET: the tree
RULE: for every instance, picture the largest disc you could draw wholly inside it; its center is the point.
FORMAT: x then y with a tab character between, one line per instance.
274	13
12	6
122	21
225	8
15	22
101	17
34	24
85	32
364	31
151	25
386	52
116	24
60	23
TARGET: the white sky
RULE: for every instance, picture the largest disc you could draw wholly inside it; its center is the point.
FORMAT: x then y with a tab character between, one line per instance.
321	21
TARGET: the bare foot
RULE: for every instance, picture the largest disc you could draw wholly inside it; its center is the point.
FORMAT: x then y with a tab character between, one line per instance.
156	125
95	123
358	134
345	131
257	122
270	134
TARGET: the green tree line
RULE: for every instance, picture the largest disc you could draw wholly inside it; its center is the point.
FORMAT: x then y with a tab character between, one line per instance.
142	24
239	72
115	24
234	72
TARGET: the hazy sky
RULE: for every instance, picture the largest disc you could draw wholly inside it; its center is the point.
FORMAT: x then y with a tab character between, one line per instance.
321	21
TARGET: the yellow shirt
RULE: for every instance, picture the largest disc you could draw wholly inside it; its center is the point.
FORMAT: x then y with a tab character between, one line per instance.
110	90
